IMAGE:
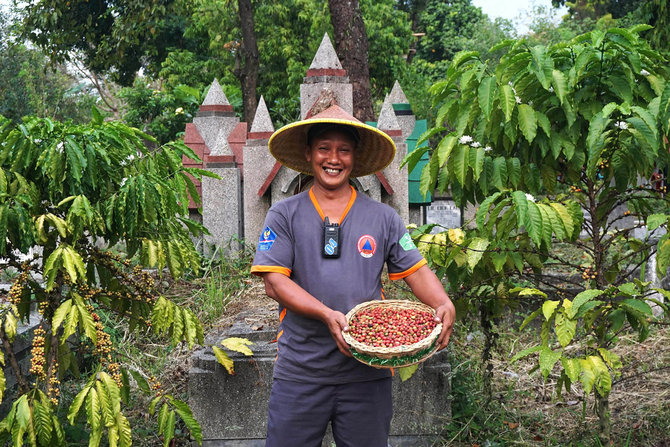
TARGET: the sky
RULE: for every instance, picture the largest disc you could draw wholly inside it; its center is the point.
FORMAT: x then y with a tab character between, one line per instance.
514	10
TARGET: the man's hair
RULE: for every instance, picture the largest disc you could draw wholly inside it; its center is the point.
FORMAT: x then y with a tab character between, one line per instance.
319	129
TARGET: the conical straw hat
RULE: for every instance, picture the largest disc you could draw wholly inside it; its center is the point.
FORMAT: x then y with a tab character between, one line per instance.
375	149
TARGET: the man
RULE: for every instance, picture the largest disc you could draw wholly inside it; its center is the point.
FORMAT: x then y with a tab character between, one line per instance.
321	253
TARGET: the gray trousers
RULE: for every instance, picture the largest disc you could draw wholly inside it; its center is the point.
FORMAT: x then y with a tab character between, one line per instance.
360	413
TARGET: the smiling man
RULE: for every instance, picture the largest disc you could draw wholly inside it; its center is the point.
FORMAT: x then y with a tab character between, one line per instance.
321	253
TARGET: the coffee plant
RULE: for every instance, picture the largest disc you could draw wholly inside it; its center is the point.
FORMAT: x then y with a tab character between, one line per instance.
69	195
561	144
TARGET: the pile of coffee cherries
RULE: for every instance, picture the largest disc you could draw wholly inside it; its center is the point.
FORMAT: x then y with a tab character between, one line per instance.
385	326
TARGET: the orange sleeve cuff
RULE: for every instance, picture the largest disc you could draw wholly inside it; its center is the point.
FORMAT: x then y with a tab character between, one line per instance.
406	273
258	269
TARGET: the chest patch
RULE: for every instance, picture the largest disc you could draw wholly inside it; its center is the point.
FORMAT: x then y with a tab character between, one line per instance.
367	246
266	240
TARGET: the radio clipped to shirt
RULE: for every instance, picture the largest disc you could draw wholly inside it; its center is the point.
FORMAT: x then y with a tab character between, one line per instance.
331	239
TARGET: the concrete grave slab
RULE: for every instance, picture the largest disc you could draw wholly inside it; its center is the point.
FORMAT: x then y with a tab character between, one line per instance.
232	410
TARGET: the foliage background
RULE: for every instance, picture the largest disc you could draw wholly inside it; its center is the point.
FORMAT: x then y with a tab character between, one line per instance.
149	64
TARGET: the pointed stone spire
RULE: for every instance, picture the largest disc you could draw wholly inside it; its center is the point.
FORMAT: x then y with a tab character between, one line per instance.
394	175
216	115
259	169
397	96
262	121
387	120
222	147
402	110
326	72
326	57
215	95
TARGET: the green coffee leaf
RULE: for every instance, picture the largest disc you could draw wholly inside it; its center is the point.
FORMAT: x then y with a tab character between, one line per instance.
525	353
548	359
565	329
581	299
548	308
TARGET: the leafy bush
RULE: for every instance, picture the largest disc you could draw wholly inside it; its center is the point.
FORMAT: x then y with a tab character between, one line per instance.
561	143
68	195
159	113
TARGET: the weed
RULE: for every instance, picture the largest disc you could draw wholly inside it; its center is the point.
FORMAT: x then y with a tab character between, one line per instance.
224	277
524	410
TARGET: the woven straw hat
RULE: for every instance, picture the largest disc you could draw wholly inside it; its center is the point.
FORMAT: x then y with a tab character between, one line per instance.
375	149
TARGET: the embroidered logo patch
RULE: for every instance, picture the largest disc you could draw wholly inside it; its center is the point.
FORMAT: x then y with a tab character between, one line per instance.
366	246
266	240
406	242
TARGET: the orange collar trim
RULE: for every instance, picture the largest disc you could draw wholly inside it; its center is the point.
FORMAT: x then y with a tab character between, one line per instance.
352	199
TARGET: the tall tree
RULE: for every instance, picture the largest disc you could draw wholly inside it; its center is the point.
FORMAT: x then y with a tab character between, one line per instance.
117	36
29	89
447	24
286	35
594	9
247	60
389	35
413	8
351	44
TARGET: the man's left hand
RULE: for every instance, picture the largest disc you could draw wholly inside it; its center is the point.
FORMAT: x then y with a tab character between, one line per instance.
445	314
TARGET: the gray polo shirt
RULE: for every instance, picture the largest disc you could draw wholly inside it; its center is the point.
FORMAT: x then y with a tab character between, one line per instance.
371	235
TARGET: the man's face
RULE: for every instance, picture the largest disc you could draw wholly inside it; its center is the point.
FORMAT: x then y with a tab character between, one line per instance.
331	155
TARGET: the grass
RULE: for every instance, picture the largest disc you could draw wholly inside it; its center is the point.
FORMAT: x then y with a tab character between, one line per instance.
524	410
225	278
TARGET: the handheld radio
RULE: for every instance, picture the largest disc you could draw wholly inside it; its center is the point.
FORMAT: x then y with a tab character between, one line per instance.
331	239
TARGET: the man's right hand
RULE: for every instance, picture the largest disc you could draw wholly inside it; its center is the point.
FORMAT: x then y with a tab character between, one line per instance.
282	289
337	323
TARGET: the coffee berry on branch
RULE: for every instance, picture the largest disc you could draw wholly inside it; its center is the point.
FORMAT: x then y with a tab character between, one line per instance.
383	326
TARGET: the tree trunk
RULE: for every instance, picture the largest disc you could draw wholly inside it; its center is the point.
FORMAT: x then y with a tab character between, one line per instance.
485	319
603	411
52	365
14	363
351	44
414	9
248	72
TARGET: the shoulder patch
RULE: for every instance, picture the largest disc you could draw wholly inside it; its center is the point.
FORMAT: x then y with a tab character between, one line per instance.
406	242
266	240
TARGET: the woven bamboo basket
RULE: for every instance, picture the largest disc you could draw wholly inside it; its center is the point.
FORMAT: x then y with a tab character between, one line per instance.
397	356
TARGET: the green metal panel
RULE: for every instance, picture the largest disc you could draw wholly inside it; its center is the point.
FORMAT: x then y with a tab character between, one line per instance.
415	196
402	107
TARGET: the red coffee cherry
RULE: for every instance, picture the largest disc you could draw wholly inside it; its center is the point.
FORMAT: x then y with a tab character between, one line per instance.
384	326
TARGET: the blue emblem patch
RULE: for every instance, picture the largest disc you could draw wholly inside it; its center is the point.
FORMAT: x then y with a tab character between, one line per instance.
266	240
330	247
